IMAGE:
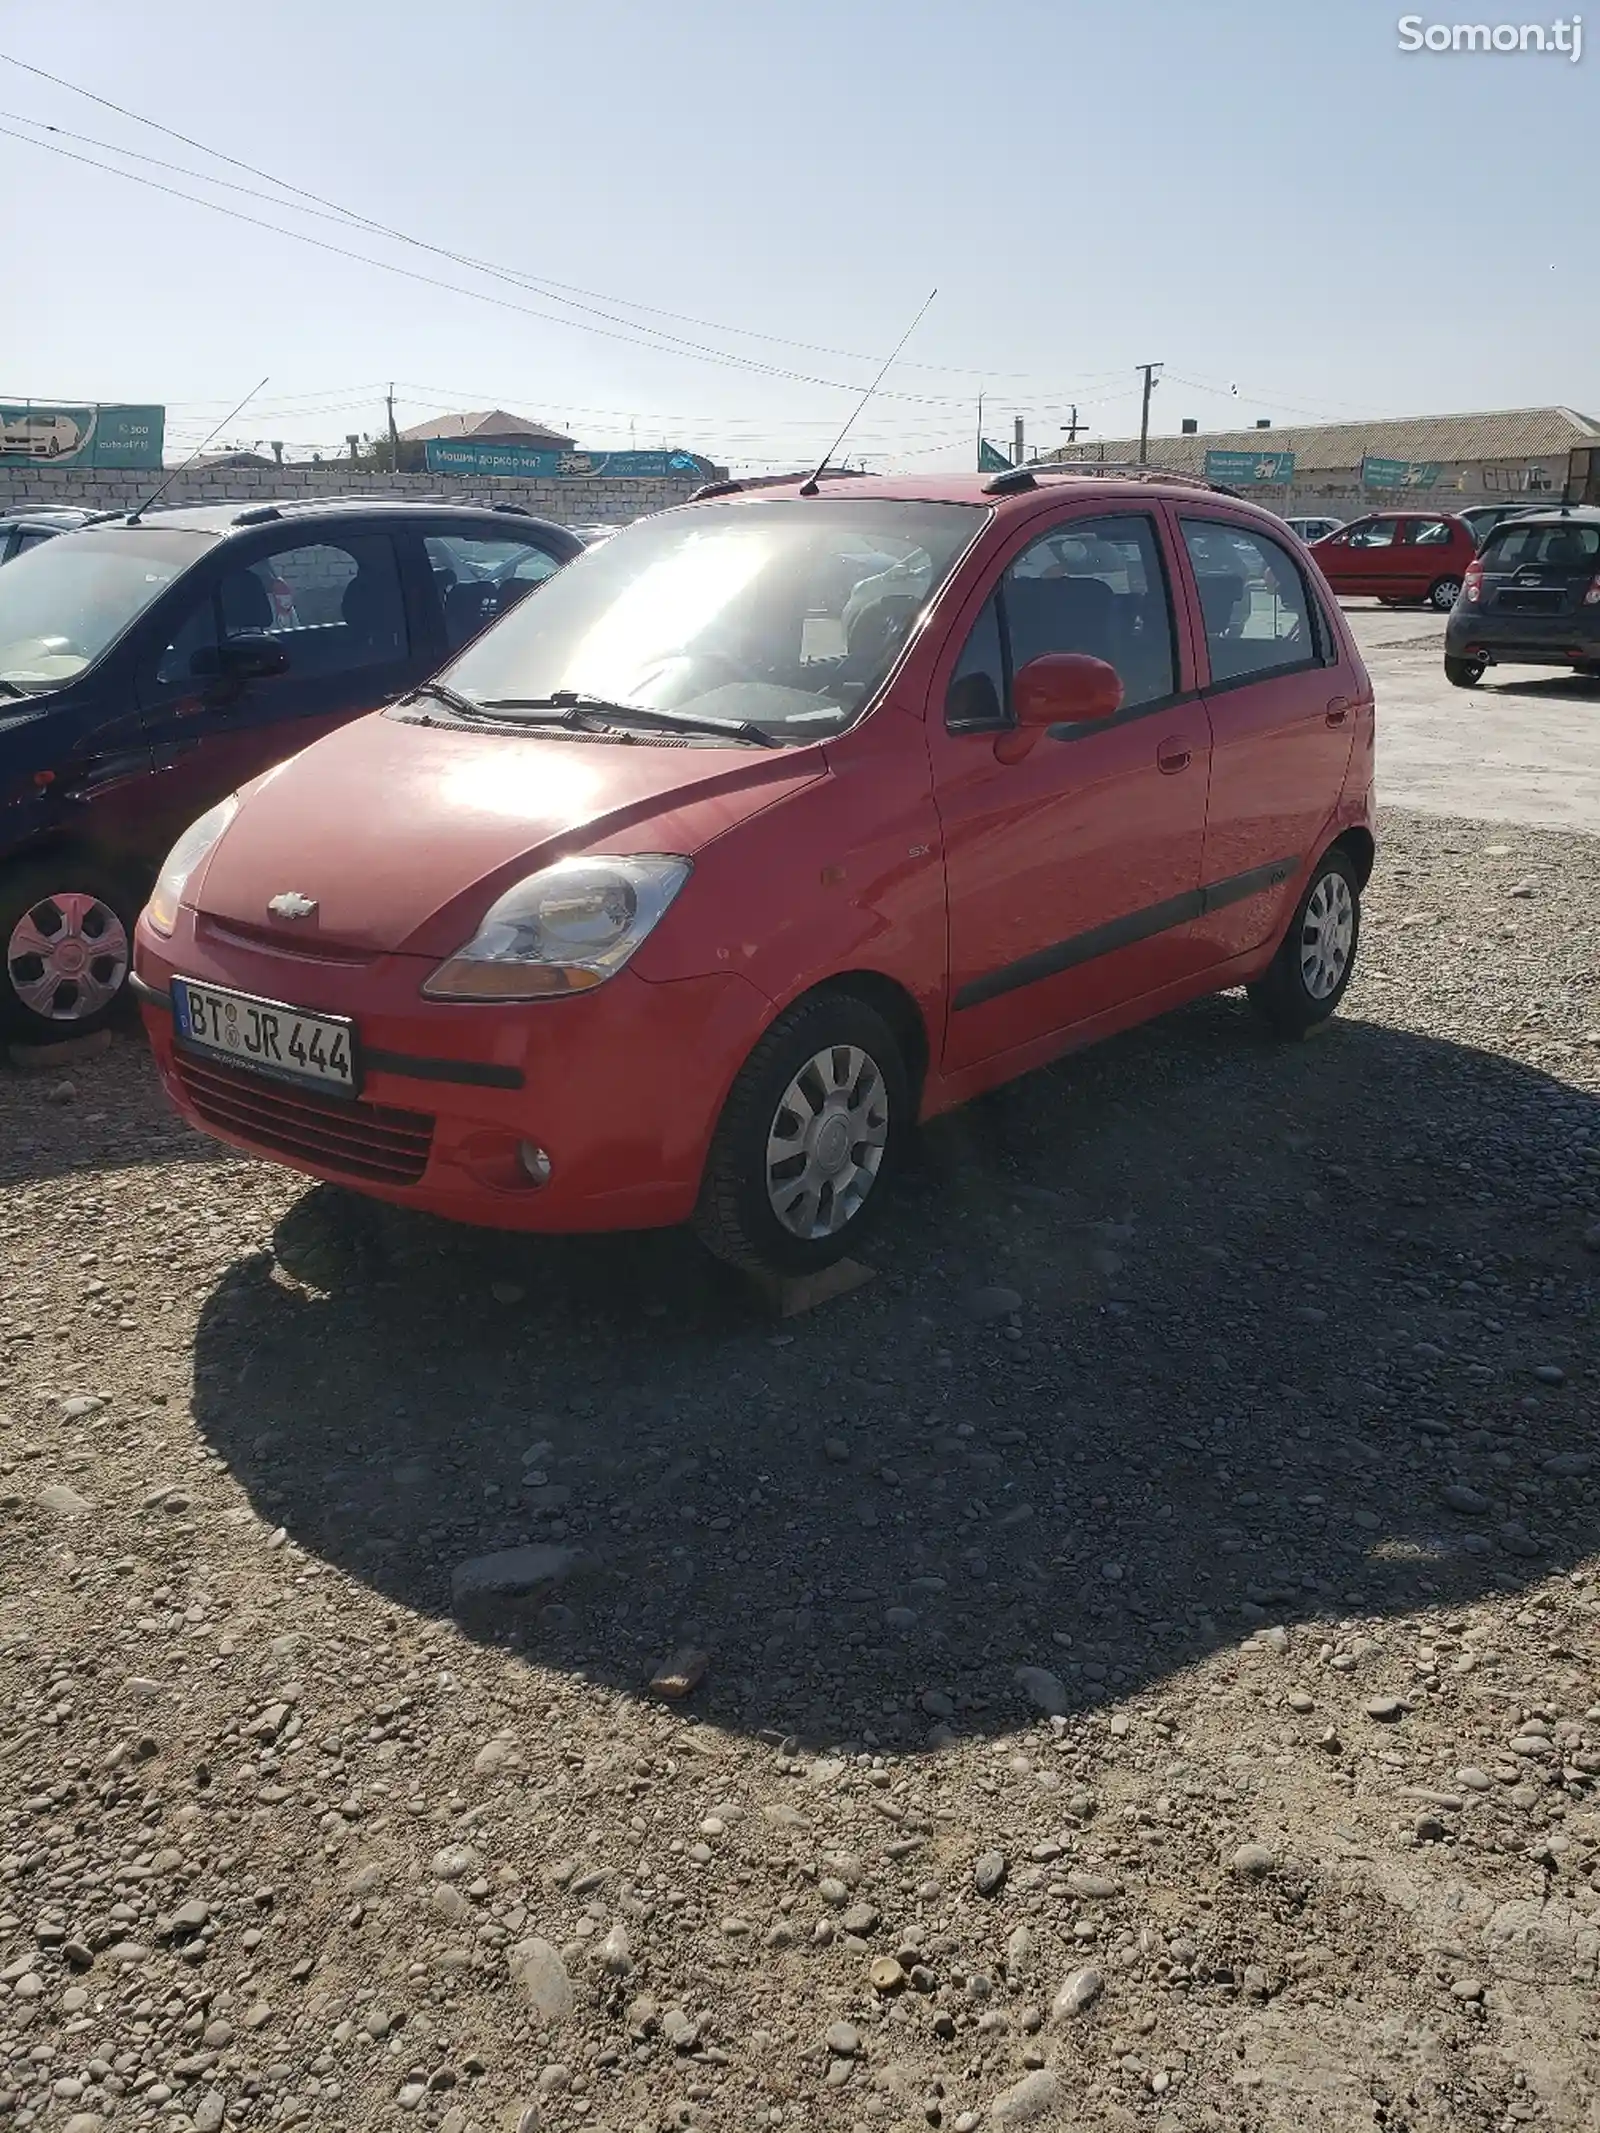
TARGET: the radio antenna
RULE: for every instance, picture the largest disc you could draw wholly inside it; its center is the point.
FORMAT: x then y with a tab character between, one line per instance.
809	488
136	517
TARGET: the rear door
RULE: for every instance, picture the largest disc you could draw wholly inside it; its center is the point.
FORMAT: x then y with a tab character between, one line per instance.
1284	705
1547	570
330	603
1426	553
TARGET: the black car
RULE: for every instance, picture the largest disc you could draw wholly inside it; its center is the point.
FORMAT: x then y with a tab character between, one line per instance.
22	530
1531	597
148	666
1483	518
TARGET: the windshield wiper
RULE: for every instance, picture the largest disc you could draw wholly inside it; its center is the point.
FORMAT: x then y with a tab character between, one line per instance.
573	705
452	699
10	687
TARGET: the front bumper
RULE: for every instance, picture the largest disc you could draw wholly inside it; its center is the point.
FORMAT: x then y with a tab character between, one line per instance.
621	1087
1523	639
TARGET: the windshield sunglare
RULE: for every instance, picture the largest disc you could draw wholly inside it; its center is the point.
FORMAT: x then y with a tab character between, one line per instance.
68	600
785	615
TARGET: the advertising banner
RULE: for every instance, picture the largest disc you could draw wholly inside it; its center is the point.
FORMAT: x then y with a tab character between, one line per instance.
1245	470
1400	473
100	436
467	456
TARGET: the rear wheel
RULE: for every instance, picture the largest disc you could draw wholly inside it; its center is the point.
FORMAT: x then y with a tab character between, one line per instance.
1307	977
66	938
807	1139
1444	595
1464	673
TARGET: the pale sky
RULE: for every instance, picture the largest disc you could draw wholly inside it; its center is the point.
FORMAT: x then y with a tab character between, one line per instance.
1273	197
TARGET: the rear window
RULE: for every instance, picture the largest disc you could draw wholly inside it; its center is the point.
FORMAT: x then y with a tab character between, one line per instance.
1564	547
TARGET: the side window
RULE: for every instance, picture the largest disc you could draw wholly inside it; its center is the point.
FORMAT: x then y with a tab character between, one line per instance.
191	652
333	606
1257	611
1430	533
1376	533
976	699
1095	586
478	579
30	537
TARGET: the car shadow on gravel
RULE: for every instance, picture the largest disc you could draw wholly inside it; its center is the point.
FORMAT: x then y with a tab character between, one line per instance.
1172	1342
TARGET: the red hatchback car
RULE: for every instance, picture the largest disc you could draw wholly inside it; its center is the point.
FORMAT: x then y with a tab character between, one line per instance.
780	821
1400	556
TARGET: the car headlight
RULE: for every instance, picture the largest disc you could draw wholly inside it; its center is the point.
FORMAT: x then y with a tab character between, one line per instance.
563	930
185	856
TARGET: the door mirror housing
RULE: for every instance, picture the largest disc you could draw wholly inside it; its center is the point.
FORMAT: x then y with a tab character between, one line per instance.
251	656
1058	689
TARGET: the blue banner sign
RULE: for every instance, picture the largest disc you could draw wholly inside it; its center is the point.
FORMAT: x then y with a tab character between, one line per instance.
1400	473
81	436
1245	470
991	460
469	457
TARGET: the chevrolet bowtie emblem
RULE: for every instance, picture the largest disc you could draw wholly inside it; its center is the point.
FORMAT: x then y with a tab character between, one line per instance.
291	904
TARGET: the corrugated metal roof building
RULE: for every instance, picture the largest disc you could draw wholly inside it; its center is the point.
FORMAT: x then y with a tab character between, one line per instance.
1461	459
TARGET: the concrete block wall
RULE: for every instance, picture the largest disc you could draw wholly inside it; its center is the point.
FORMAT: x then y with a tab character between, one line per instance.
26	485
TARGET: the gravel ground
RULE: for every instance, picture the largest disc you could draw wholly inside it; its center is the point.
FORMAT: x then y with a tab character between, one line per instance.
1150	1630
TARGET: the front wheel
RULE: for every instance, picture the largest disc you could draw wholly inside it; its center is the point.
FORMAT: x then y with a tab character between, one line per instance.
1444	595
66	929
1307	977
807	1139
1463	673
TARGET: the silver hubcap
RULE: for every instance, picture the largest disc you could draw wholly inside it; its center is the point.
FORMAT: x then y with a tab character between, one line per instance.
826	1141
1445	595
1326	935
67	957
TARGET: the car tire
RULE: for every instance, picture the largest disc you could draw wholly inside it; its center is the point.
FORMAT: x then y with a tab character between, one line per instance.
830	1057
1307	978
66	948
1443	595
1463	673
1588	668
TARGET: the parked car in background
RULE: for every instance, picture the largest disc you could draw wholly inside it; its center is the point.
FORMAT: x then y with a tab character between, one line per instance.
779	822
1399	556
23	530
1313	529
1483	518
149	667
1532	598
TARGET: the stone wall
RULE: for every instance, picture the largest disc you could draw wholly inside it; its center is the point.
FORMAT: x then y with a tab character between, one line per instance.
28	485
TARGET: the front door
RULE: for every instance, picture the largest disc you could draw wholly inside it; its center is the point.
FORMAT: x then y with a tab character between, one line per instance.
1284	705
1368	561
330	606
1073	873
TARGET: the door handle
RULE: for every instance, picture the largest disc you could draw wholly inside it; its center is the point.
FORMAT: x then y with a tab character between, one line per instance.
1172	756
1339	708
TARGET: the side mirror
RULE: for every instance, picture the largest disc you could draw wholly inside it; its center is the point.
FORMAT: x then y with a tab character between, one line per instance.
1058	689
251	656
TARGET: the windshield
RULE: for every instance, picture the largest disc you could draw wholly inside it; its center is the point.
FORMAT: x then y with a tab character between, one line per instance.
65	602
1559	547
785	615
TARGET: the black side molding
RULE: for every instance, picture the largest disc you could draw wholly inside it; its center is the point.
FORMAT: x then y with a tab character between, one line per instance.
151	995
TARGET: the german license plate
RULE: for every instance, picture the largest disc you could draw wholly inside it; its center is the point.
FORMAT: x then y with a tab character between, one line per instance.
269	1037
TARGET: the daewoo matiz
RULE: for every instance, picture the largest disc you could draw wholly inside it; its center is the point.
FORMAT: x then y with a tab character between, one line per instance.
777	823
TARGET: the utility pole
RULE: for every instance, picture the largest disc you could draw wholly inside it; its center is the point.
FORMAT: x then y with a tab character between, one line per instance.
1072	428
394	435
978	462
1149	370
1016	442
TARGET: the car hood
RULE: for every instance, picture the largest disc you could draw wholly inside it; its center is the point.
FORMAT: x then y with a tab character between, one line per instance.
404	834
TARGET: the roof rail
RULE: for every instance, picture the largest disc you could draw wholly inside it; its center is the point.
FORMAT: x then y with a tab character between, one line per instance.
776	481
1125	470
1011	483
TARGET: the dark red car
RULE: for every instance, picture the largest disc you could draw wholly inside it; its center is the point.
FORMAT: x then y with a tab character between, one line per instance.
1399	556
778	822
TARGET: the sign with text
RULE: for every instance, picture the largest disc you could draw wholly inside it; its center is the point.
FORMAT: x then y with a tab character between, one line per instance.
991	460
102	436
468	456
1246	470
1400	473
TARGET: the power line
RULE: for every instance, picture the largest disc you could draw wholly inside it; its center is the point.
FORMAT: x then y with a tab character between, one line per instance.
324	208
